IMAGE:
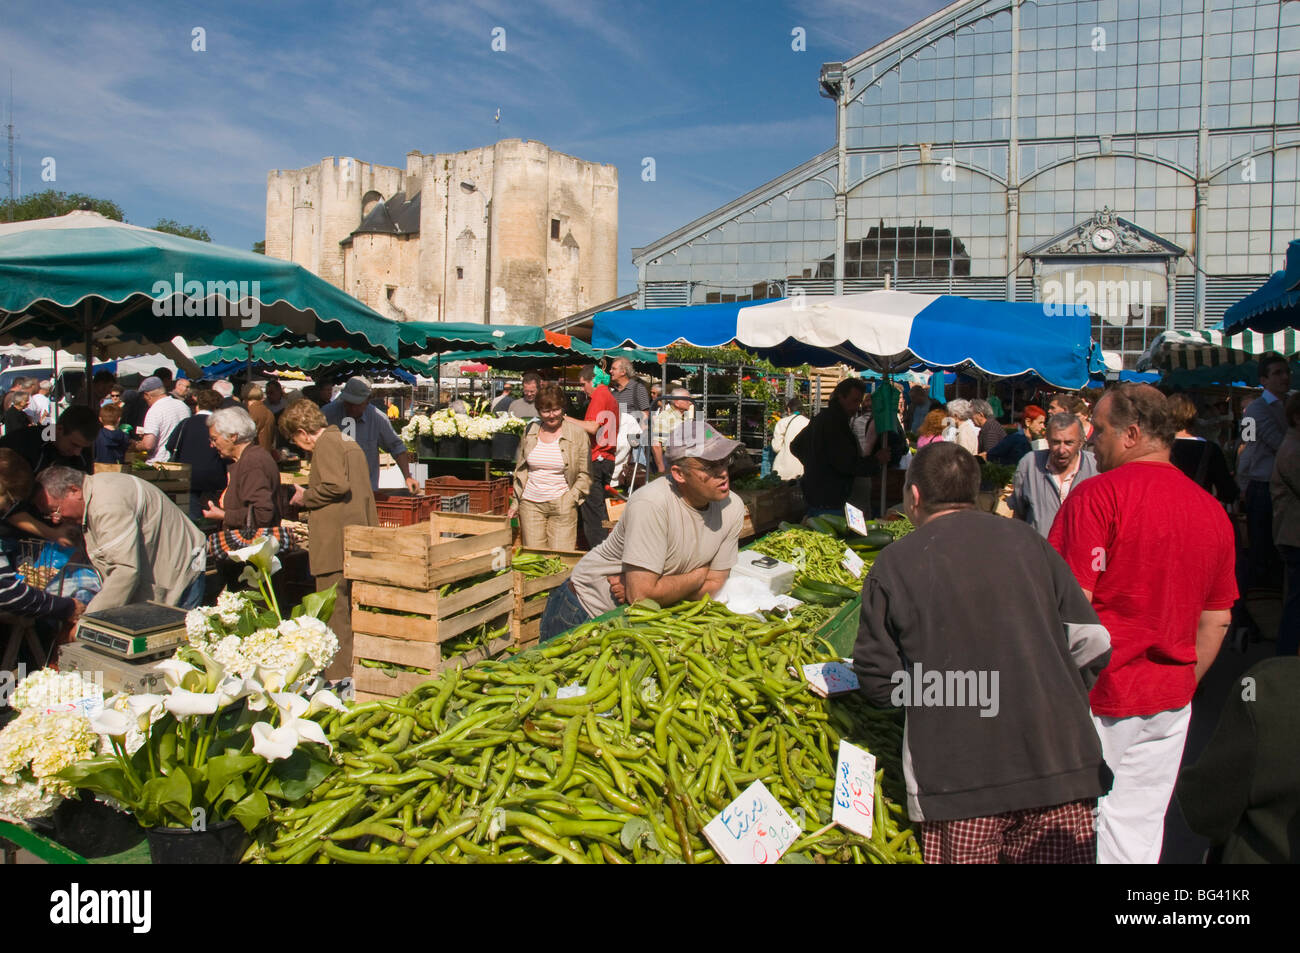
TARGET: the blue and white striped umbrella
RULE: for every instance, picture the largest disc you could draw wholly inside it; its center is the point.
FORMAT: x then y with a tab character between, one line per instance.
886	331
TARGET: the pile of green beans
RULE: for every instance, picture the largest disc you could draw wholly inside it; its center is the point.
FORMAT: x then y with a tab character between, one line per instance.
816	555
676	712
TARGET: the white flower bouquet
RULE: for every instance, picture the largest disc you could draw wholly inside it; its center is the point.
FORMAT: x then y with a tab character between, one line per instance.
34	748
514	425
444	423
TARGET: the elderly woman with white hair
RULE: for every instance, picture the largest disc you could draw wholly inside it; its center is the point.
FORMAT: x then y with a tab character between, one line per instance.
251	500
967	435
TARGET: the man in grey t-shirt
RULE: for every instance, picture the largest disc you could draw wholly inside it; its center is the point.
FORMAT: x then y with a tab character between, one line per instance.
677	539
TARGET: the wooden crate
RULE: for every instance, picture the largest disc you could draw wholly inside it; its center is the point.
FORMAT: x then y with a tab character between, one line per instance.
373	684
408	640
420	557
526	625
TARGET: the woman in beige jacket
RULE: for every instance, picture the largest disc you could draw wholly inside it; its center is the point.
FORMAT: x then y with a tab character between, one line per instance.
338	494
551	475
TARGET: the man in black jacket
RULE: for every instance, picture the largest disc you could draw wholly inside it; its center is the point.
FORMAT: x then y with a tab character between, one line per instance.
1001	758
830	453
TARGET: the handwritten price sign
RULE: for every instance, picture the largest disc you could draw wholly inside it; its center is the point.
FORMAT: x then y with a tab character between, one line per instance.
856	519
853	563
830	678
855	789
752	829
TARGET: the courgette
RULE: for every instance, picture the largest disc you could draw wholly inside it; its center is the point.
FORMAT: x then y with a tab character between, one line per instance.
812	595
830	588
817	524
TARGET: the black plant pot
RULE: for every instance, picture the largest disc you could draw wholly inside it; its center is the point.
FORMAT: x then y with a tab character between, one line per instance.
426	446
92	829
456	447
221	843
480	449
505	446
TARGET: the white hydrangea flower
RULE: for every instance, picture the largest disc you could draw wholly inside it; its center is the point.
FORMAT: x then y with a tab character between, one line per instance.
26	800
47	688
39	745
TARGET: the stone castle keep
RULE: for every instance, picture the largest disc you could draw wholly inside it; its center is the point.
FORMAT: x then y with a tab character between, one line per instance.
512	233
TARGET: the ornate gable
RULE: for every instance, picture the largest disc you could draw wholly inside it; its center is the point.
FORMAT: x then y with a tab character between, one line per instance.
1106	235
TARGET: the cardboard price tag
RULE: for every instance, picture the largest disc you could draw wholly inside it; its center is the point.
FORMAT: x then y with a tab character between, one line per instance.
855	789
90	706
752	829
856	519
853	562
830	678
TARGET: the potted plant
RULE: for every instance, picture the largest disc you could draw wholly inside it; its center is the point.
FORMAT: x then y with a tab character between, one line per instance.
418	436
201	766
505	439
445	429
478	432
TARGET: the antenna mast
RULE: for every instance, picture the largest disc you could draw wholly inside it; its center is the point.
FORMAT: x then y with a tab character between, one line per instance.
9	132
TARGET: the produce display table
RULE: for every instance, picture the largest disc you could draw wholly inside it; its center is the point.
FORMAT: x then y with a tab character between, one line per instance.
453	466
15	837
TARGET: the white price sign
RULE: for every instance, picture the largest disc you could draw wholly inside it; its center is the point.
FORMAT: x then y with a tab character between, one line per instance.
853	563
752	829
856	519
90	706
830	678
855	789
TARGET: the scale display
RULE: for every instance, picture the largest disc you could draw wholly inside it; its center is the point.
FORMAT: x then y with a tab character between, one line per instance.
135	631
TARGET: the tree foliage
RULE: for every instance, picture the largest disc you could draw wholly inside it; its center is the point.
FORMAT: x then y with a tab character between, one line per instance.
196	232
50	203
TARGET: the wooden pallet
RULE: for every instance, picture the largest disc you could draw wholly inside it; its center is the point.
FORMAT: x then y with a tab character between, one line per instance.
527	622
449	547
382	636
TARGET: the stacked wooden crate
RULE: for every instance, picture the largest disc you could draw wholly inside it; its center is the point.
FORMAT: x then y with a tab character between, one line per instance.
531	594
399	617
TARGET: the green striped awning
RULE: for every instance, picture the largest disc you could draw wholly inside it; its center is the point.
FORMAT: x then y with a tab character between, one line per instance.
1191	350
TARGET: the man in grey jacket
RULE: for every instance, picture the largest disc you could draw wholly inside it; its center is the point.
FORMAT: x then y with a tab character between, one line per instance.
1000	755
141	544
1044	478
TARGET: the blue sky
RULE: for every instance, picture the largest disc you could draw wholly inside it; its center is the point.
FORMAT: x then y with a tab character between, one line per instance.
712	91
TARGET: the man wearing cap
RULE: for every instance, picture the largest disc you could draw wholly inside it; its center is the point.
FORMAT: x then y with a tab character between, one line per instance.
677	539
164	415
353	414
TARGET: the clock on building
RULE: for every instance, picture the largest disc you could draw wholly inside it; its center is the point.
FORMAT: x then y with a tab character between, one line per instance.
1103	239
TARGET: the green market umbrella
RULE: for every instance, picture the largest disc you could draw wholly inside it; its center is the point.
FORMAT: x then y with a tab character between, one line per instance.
85	278
307	359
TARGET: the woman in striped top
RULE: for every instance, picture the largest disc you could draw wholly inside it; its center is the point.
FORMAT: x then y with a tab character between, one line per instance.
551	475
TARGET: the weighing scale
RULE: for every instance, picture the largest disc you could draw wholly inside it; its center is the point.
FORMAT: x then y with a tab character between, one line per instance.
134	632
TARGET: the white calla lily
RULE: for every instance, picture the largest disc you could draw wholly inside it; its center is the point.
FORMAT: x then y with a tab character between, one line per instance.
182	703
310	731
260	556
143	708
178	674
274	744
294	706
111	722
324	699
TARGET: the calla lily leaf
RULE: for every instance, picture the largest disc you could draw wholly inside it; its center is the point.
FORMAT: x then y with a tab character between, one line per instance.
252	810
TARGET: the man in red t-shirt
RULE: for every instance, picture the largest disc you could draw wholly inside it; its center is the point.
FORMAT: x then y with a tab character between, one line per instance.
1155	554
601	422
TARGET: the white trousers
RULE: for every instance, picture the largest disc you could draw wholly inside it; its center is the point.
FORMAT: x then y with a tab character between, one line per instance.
1144	752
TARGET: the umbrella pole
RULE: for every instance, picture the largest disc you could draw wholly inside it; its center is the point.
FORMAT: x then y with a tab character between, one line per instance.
88	331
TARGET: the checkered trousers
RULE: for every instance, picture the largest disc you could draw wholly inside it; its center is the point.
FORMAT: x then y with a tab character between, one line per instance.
1064	834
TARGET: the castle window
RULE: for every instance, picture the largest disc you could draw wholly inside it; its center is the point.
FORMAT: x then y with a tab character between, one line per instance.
555	228
460	272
